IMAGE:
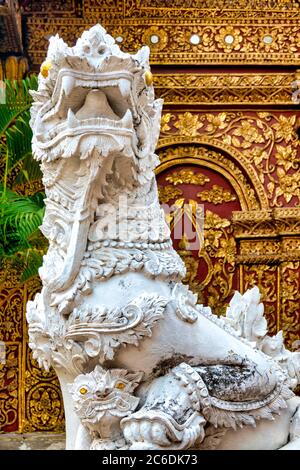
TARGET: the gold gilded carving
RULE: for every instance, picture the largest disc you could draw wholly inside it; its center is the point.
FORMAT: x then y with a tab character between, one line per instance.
227	34
289	186
188	124
217	195
44	408
249	134
166	193
242	88
155	37
164	123
218	253
188	177
211	270
229	39
274	222
192	266
219	244
43	400
44	7
249	46
21	380
292	245
290	292
9	386
287	157
223	8
260	247
184	154
267	145
266	277
285	128
11	305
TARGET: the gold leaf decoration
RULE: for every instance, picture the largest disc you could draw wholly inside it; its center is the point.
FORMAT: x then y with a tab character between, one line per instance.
217	195
289	185
234	36
285	128
213	220
187	177
265	142
216	121
166	193
288	157
188	124
249	132
164	123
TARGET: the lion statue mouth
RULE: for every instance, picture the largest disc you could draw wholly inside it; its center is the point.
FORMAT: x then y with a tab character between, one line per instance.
90	104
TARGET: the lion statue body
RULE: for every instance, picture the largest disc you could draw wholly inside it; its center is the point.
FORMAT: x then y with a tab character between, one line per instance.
140	363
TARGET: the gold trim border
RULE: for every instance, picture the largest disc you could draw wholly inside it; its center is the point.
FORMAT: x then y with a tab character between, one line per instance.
225	88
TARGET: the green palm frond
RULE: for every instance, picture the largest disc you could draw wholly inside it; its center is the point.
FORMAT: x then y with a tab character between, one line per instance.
29	171
33	259
21	242
17	100
18	140
20	217
15	131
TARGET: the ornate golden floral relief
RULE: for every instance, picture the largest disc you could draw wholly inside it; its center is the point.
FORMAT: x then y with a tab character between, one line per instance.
262	245
188	124
177	33
11	321
44	407
268	223
43	400
266	143
161	8
10	388
290	312
220	246
217	195
166	193
188	177
24	387
223	88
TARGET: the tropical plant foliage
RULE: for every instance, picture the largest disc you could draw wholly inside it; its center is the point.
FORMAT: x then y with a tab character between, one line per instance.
21	208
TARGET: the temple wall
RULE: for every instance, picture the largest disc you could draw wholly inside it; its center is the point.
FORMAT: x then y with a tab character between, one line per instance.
229	140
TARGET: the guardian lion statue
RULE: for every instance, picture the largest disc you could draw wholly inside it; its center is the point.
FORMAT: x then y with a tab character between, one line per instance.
141	365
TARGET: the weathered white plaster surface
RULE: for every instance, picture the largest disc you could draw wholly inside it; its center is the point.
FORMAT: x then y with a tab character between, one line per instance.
140	363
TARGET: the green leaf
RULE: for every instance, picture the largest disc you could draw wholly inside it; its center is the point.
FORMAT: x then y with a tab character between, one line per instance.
33	263
17	100
18	140
21	242
20	217
29	171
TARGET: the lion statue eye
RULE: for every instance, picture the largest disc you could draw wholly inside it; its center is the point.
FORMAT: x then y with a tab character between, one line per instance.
83	390
120	385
